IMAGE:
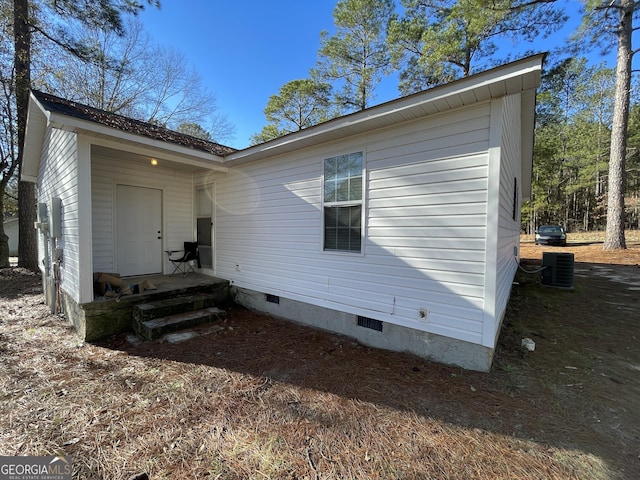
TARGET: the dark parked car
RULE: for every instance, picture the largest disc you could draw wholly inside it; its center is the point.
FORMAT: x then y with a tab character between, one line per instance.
551	235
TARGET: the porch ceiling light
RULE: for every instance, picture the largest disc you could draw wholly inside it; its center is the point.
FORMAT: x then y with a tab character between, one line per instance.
154	161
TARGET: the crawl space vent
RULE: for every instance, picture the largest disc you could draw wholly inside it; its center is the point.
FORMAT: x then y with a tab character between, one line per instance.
272	298
370	323
558	270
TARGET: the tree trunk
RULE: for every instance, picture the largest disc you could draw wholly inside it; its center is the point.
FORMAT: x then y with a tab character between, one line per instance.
28	247
587	209
27	251
614	238
4	239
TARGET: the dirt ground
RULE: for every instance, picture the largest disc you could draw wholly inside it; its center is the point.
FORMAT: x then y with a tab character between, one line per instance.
266	398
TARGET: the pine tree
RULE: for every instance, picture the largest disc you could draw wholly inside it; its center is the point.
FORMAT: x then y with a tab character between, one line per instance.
106	14
357	54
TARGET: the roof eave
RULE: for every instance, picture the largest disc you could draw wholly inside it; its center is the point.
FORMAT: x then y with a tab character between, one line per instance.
37	121
508	79
86	127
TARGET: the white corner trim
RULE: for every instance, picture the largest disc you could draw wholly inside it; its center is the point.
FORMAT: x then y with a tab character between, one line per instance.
493	222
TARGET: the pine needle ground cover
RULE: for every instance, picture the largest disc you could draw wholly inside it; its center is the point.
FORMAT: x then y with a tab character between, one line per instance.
266	398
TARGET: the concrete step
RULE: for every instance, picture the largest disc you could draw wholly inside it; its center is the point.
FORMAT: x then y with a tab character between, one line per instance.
157	327
170	306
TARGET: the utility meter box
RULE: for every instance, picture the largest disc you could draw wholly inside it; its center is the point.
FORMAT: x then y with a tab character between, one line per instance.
43	214
55	217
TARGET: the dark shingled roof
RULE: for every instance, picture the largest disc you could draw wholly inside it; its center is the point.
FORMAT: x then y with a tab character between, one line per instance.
126	124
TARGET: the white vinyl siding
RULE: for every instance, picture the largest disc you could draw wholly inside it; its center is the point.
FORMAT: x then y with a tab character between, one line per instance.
509	229
58	178
177	195
503	231
268	223
427	217
425	211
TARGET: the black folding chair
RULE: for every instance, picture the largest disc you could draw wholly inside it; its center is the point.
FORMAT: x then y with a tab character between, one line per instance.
184	264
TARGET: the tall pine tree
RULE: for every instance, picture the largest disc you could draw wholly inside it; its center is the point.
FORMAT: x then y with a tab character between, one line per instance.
58	13
609	22
357	54
438	41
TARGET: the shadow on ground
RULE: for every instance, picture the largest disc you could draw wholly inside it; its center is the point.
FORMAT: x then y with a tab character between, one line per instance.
578	390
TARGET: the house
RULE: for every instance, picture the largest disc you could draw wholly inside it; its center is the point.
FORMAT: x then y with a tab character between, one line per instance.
397	225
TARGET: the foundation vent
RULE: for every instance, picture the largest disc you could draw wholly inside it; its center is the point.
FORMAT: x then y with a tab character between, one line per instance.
370	323
273	298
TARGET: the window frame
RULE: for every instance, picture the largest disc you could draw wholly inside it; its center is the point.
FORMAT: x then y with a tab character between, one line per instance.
346	203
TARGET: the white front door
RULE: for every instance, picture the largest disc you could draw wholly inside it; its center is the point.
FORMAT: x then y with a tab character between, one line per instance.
139	230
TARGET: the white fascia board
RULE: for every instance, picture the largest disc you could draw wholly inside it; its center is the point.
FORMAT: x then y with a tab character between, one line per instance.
184	154
504	80
28	178
37	121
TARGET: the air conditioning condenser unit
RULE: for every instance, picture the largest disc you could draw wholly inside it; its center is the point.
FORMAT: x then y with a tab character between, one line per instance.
558	271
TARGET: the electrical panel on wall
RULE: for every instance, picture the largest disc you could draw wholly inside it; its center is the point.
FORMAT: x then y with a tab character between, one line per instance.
55	217
43	215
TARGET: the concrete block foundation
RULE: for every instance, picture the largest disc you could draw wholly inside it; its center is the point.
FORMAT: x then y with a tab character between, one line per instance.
392	337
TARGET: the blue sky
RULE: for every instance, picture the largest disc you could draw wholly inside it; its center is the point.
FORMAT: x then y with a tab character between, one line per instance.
245	50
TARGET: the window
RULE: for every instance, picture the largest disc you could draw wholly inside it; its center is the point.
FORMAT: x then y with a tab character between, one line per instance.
343	203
